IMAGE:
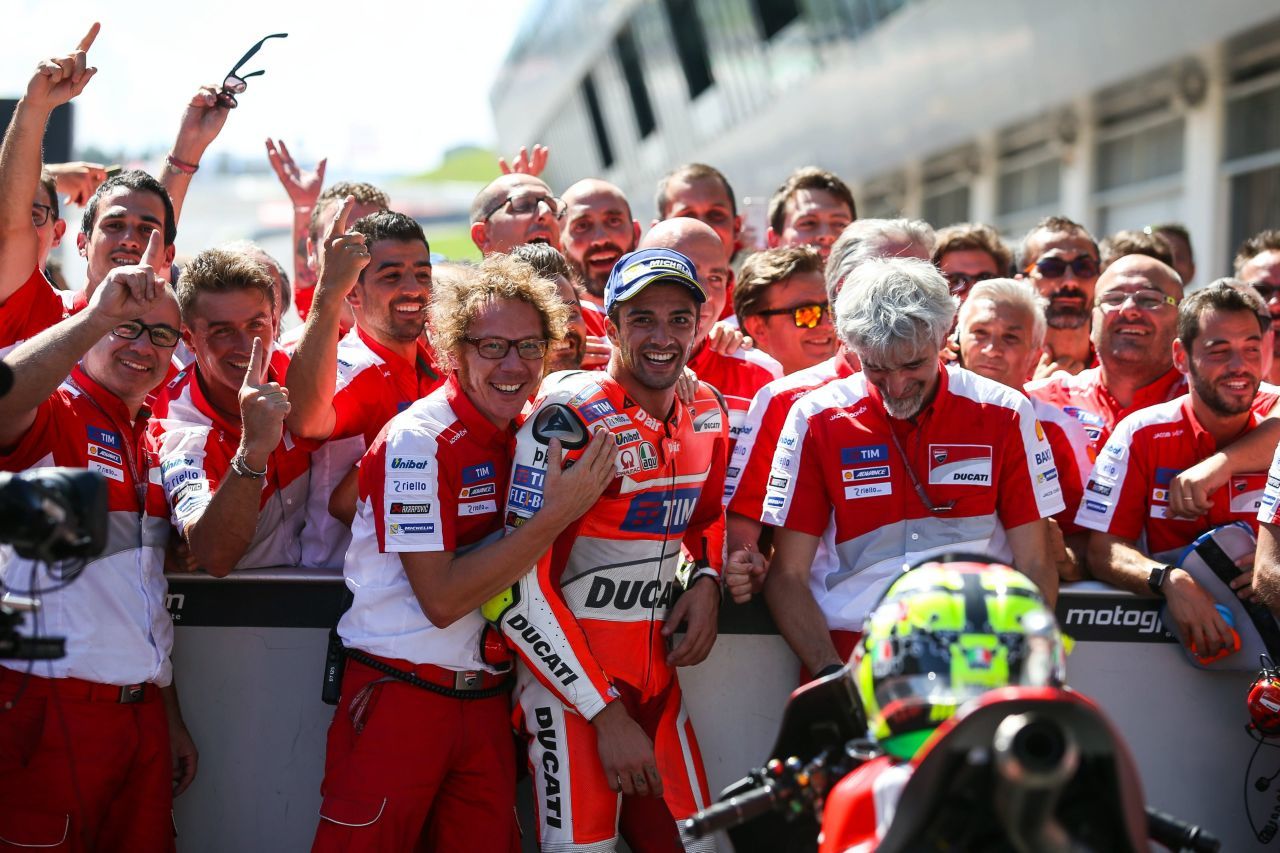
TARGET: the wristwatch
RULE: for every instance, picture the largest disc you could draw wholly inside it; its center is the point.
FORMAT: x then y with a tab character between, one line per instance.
1155	580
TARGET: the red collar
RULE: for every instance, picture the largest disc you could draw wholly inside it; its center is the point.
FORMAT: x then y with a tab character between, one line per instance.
481	429
424	358
1204	440
109	403
925	414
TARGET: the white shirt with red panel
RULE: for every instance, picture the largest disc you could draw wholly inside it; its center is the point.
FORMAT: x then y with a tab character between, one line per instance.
429	482
373	385
194	444
1086	398
113	613
977	448
34	307
1127	493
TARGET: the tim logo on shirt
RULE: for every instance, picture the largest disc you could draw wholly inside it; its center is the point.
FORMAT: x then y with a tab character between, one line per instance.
960	464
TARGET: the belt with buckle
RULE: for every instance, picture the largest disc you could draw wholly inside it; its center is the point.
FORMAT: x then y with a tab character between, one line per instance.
466	684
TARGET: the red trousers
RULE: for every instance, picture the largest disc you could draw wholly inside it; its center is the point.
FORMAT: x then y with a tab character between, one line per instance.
423	772
81	772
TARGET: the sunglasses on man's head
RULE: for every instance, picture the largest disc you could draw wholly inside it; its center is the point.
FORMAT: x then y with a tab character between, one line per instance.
1053	267
234	83
805	316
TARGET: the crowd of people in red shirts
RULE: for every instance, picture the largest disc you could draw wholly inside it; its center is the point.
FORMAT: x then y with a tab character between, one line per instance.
541	474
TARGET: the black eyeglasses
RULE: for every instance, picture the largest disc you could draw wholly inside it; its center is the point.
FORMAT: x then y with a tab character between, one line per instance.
805	316
234	83
530	349
527	204
961	282
40	213
1053	267
160	334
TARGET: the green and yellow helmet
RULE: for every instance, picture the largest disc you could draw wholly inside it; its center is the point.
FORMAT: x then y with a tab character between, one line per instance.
943	634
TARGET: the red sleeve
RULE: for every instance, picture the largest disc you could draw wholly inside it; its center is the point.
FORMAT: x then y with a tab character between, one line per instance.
412	491
1064	460
354	403
36	442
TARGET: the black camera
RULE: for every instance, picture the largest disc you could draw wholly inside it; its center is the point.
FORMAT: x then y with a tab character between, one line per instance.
48	515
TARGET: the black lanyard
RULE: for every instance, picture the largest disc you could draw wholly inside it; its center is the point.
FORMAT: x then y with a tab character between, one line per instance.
915	481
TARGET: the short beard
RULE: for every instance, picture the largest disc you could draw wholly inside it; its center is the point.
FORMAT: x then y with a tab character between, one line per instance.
1214	401
904	408
1066	318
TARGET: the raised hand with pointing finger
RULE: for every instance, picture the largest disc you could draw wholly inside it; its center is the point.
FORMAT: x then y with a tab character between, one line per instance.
130	292
263	407
343	256
60	78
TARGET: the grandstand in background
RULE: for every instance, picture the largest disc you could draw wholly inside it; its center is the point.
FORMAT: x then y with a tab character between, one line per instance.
1116	114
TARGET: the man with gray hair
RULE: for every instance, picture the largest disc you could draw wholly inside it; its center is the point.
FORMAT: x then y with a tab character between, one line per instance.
876	238
905	460
1001	331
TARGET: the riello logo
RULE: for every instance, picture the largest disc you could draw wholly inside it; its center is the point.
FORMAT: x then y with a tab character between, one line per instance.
415	464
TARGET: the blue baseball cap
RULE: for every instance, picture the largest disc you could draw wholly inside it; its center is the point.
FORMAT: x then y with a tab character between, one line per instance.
635	271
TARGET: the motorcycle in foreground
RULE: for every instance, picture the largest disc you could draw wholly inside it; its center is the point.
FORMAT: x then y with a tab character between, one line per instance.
1026	769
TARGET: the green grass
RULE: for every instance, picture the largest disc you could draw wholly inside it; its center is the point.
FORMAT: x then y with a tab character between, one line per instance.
454	242
478	165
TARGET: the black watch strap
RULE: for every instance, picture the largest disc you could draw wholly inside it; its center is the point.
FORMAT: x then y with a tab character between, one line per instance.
1155	580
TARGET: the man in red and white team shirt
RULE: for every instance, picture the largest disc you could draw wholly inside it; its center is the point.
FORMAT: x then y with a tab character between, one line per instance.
905	460
1219	349
342	391
235	479
1001	330
419	753
738	376
594	621
598	229
113	691
1135	318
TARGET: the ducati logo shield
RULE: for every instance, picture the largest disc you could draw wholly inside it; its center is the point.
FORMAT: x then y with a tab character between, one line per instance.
960	464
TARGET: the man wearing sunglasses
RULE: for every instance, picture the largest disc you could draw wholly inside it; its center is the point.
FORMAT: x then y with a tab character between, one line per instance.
514	209
342	390
903	460
969	253
781	302
78	400
1061	259
1135	319
420	752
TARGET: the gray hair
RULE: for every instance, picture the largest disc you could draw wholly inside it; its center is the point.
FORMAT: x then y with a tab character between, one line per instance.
1018	294
262	256
889	302
866	239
